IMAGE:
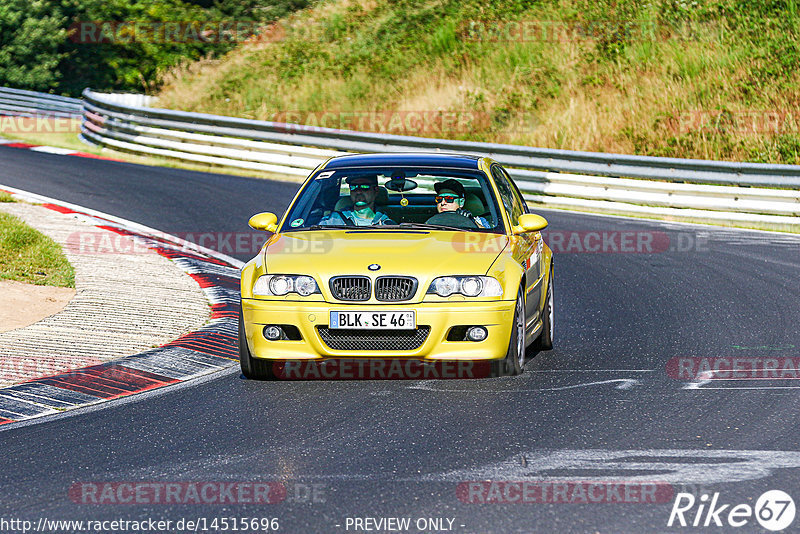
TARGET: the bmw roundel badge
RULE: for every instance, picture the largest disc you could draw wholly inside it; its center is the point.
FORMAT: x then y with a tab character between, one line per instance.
374	267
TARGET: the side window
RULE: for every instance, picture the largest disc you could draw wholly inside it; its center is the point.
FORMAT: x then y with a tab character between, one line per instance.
516	192
511	198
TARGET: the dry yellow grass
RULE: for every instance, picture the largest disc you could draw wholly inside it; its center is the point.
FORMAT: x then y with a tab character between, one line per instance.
558	94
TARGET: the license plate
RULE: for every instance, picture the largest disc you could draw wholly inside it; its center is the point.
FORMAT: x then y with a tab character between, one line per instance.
374	320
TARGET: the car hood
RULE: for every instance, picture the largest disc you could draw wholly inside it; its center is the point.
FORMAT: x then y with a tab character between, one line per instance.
422	254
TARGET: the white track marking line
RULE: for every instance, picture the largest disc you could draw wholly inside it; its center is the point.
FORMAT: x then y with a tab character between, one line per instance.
428	385
708	376
702	467
625	383
702	378
53	150
750	387
593	371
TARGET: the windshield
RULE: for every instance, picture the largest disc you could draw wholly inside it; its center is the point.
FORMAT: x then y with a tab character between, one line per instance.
396	197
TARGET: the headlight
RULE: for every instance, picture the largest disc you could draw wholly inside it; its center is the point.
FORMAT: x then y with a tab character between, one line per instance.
261	287
280	285
470	286
304	285
444	286
277	285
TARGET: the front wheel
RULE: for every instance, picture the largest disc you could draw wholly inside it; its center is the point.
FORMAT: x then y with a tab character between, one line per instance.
545	339
514	361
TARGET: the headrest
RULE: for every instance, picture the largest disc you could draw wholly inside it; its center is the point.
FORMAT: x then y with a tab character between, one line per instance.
474	204
346	203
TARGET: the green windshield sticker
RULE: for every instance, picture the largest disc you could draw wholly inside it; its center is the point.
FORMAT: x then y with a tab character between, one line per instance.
297	222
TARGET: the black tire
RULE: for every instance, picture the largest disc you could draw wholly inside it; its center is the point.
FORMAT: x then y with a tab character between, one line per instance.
513	363
252	368
545	339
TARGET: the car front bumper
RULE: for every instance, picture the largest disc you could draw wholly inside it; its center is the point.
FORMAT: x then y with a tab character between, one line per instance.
496	316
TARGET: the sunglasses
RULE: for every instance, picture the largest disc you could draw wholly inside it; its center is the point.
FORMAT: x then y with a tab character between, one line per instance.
447	198
363	187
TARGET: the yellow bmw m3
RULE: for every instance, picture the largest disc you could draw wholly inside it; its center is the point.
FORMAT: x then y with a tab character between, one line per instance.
428	258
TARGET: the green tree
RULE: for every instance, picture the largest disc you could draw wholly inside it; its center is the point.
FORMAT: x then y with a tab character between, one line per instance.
137	65
42	46
31	32
118	62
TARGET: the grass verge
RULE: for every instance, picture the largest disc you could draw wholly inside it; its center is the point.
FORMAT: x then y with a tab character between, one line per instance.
29	256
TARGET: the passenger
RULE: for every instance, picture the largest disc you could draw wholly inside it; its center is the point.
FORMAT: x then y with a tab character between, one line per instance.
450	196
363	191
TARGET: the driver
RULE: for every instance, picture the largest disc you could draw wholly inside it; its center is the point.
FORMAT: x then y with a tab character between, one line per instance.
363	190
450	196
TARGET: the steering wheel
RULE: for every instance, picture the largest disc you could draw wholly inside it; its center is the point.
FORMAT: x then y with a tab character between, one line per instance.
451	218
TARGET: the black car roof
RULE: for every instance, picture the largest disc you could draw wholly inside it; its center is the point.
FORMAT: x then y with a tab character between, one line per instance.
412	160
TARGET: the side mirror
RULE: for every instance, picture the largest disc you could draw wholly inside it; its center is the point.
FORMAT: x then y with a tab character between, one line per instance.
264	221
529	222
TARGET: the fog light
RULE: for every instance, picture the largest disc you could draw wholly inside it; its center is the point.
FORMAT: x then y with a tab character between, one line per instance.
476	333
273	332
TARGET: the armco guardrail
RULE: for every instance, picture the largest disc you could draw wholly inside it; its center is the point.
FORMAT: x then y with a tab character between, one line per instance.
32	104
719	191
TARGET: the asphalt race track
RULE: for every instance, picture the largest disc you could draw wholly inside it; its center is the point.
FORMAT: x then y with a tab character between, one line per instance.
606	404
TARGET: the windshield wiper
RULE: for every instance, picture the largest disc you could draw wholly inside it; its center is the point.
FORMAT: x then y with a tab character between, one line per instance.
328	227
432	226
422	226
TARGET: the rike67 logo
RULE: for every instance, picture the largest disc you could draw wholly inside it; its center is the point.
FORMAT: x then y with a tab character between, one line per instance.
774	510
